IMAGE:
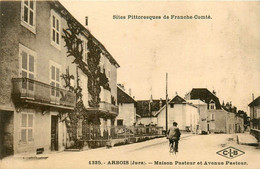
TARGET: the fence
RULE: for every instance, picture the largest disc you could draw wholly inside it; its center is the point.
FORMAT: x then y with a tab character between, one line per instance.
91	132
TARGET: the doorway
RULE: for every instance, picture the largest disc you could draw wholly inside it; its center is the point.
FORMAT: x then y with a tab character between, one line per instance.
6	133
54	133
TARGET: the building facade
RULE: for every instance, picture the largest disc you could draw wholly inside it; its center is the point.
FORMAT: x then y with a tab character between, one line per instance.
254	107
127	108
34	101
180	111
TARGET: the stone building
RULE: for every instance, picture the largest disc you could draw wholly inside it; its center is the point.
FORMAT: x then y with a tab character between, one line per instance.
127	108
34	101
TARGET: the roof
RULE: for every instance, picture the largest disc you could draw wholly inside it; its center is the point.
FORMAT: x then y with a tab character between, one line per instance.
255	102
176	100
196	102
204	95
143	109
123	97
64	12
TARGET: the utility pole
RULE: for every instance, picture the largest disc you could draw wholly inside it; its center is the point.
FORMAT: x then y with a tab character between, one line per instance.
166	103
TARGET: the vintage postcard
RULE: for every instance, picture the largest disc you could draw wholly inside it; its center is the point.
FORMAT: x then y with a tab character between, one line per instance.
129	84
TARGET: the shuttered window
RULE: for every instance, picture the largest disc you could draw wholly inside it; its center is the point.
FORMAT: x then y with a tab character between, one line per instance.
55	79
28	63
55	29
28	14
26	127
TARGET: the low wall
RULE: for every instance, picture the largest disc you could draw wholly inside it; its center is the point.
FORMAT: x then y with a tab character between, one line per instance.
256	134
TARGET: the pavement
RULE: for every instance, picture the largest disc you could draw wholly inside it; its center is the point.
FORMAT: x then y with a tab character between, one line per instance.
246	139
195	151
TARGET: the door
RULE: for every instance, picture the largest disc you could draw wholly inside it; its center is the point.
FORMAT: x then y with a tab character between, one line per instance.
54	133
6	134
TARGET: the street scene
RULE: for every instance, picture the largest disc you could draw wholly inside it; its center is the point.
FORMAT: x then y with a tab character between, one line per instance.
129	84
149	154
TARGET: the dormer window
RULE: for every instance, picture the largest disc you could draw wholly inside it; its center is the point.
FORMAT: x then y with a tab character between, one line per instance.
212	105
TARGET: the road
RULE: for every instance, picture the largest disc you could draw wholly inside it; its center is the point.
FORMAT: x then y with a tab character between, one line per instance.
195	151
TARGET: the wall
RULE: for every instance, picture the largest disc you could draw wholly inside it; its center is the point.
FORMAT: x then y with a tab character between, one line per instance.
184	115
9	63
127	113
220	121
192	118
147	120
13	34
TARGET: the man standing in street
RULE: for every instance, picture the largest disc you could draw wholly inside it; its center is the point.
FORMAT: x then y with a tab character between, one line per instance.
173	134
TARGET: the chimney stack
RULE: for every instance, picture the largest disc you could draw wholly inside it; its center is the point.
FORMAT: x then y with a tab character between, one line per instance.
86	22
121	86
130	92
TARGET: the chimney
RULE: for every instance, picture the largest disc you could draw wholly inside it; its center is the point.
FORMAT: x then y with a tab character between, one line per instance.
214	92
121	86
151	99
160	104
130	91
86	21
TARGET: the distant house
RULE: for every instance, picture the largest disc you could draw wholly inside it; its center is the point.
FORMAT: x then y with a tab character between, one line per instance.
179	110
220	119
127	108
147	109
206	96
203	114
255	117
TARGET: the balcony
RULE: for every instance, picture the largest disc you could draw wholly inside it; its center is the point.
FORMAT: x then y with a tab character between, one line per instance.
106	108
32	91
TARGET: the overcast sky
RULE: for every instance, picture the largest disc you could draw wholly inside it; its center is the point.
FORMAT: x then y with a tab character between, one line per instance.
222	53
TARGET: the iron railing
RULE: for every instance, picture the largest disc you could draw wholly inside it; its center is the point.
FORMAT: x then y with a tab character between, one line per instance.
38	92
95	132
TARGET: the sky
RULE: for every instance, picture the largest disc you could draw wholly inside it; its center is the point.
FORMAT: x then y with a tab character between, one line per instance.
221	53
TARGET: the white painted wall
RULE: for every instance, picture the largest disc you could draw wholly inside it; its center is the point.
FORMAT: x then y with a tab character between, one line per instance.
147	120
127	113
183	114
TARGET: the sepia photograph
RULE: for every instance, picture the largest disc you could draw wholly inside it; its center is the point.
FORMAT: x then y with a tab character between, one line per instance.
129	84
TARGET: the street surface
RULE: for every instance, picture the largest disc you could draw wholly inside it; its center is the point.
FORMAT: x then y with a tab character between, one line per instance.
195	151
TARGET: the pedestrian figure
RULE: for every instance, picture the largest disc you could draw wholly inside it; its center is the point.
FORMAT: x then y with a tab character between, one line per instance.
173	134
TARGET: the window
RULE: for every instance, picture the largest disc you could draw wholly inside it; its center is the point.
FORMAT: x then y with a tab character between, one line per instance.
84	86
85	50
27	66
172	105
212	116
55	78
55	29
102	68
258	113
108	74
211	104
120	122
26	127
28	14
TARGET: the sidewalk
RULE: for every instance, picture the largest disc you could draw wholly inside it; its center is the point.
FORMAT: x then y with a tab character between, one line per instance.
246	139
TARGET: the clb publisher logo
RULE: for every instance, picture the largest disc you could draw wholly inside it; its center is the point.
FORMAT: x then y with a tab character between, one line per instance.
230	152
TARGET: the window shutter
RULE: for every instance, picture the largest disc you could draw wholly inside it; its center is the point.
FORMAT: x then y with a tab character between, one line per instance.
24	120
30	120
24	60
57	74
31	63
52	73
